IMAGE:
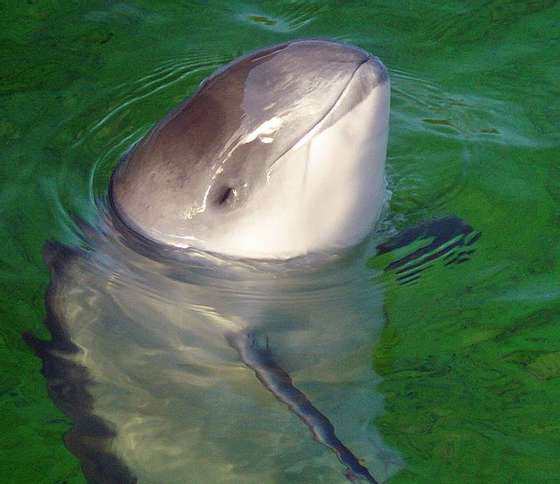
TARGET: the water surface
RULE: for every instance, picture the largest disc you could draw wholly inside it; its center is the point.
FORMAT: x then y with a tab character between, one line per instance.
469	357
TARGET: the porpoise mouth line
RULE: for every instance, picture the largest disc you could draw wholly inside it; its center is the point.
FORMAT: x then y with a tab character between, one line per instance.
316	126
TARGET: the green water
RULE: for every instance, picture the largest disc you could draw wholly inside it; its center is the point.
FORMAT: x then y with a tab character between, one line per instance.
470	355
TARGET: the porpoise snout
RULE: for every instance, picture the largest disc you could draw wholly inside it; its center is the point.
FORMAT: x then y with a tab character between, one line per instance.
375	70
335	59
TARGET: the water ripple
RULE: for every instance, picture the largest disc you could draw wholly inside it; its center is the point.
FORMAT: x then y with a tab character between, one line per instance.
283	18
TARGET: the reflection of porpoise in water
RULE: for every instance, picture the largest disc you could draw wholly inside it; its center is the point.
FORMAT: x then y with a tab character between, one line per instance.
278	156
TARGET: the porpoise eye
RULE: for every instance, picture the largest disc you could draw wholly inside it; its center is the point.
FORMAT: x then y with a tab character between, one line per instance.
225	194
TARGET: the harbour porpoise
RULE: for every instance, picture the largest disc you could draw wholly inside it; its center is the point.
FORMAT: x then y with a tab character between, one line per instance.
218	258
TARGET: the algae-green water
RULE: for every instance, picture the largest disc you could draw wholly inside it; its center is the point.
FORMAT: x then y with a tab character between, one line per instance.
470	353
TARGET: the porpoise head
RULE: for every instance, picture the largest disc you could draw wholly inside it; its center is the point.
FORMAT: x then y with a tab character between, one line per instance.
279	154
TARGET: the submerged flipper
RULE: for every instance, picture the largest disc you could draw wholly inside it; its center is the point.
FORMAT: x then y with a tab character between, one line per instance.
279	383
449	239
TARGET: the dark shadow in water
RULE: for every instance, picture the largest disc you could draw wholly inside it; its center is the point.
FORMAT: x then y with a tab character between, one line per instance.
67	384
449	239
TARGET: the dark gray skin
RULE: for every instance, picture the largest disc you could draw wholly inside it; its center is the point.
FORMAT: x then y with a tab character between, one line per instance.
196	167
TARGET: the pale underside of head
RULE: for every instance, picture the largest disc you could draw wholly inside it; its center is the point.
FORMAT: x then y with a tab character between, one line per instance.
279	154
